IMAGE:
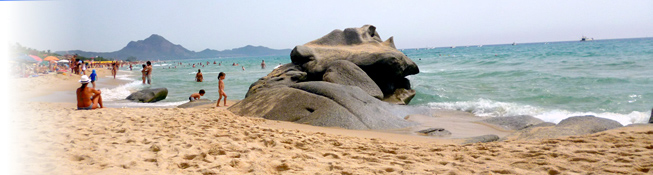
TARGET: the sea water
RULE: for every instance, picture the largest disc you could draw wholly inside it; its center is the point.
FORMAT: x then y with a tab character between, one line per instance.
551	81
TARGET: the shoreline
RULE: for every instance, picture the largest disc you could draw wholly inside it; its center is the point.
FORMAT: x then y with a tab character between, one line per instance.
55	138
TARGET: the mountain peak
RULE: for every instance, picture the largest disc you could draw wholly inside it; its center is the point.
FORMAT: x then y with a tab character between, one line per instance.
157	47
154	38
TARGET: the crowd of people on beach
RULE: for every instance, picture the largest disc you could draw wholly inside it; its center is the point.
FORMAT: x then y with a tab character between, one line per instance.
90	98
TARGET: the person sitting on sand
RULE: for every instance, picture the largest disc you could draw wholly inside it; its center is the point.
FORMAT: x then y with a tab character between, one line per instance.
87	97
198	76
221	76
196	96
93	77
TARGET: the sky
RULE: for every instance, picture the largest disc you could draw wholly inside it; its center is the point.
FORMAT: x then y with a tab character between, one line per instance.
106	26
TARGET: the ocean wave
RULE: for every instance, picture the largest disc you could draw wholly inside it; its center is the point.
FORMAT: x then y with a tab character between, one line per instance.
121	92
157	65
490	108
123	75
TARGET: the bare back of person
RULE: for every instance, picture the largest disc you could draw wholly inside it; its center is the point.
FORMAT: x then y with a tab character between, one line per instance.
88	98
199	77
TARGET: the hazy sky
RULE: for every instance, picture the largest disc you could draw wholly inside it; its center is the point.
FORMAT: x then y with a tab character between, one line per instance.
105	26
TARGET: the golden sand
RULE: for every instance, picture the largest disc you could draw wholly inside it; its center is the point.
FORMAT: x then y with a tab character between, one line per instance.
54	138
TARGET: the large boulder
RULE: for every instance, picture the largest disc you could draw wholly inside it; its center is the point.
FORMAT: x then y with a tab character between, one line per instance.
514	122
337	81
578	125
363	46
321	104
149	95
347	73
401	96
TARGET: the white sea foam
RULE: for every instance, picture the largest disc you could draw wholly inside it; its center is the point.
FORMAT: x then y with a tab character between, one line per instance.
157	65
556	116
489	108
121	92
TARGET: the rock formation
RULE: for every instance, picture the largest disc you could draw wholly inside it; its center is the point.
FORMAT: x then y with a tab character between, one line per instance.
434	132
514	122
149	95
578	125
337	80
195	103
481	139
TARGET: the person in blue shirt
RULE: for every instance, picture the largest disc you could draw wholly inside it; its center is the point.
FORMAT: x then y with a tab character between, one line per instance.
93	78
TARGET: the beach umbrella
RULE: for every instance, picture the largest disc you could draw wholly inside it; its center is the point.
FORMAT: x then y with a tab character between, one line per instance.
25	59
51	58
38	59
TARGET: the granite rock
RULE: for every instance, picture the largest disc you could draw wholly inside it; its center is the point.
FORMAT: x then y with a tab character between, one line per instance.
578	125
337	81
149	95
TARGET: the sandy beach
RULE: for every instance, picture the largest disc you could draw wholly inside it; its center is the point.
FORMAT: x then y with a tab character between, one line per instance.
55	138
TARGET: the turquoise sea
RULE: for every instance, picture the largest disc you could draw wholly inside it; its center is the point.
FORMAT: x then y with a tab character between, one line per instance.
551	81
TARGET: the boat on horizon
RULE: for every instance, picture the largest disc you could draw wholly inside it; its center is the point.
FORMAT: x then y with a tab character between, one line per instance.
584	38
513	43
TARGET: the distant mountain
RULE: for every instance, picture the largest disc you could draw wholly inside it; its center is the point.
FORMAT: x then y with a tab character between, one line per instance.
156	47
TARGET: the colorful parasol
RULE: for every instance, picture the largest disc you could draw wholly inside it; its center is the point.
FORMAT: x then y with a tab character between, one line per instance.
51	58
38	59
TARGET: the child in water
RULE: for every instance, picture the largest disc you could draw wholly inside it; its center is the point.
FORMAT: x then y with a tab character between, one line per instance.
144	72
196	96
221	76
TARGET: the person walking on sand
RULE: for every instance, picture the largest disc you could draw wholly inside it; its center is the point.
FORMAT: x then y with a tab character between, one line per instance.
196	96
198	76
84	68
93	78
87	97
149	72
144	72
114	69
221	77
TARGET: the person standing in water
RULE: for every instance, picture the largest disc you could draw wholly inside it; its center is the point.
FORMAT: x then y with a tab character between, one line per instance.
199	77
144	72
149	72
263	64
